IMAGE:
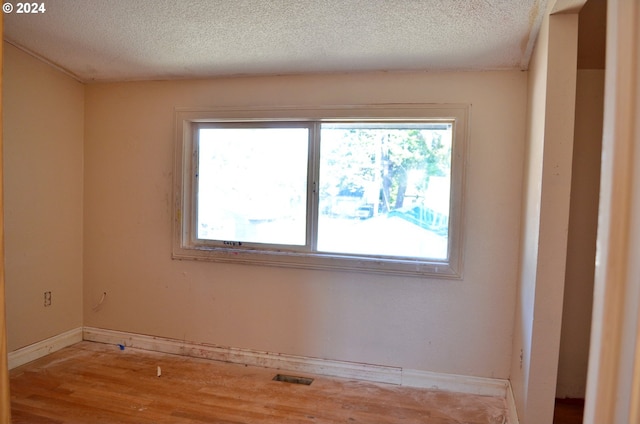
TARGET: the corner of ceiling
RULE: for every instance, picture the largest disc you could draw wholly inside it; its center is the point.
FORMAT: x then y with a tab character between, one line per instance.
536	15
43	59
565	6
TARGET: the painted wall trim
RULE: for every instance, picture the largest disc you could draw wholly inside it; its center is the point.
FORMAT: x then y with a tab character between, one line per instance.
455	383
512	412
246	356
342	369
44	347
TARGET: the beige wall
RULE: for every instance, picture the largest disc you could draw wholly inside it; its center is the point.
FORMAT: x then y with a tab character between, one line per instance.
546	192
583	219
462	327
613	384
530	230
583	223
43	136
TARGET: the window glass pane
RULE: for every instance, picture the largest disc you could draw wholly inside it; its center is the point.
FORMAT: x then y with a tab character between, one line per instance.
252	185
384	189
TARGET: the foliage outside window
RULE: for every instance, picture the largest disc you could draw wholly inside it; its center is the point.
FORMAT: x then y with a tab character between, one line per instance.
356	189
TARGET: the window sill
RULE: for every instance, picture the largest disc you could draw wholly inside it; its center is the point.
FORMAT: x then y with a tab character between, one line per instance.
322	261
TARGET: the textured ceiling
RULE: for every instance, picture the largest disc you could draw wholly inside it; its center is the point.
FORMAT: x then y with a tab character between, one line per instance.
115	40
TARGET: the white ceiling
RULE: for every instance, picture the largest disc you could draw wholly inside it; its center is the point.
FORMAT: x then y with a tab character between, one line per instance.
116	40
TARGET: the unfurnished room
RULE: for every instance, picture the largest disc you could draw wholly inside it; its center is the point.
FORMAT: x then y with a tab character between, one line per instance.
320	211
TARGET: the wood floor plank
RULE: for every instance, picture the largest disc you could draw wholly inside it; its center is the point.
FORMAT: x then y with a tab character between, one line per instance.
96	383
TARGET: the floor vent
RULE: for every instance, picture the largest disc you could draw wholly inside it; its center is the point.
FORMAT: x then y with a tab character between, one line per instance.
293	379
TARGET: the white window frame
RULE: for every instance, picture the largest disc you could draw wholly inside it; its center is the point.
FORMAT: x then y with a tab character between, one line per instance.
185	245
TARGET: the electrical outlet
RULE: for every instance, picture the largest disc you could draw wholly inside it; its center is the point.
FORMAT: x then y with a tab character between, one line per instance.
47	298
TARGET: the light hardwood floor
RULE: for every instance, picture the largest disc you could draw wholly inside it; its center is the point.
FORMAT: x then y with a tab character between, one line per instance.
97	383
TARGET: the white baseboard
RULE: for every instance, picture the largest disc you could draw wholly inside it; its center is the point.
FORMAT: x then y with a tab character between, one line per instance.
512	412
342	369
455	383
43	348
247	357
